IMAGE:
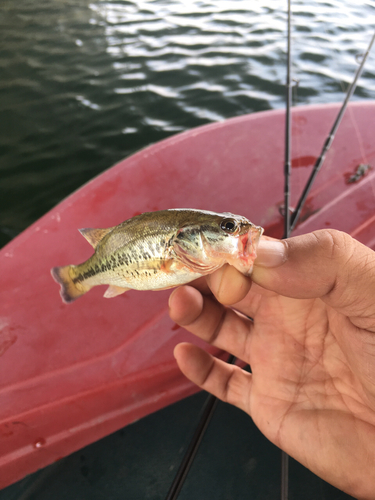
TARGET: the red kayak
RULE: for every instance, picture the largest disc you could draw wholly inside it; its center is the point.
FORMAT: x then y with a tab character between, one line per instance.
71	374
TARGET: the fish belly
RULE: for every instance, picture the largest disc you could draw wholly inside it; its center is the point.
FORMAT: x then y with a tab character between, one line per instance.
150	279
152	274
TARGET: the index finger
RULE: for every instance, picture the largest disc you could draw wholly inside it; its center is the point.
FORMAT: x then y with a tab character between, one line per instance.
229	285
211	321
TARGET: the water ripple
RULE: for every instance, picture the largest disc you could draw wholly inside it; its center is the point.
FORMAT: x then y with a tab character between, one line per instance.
86	83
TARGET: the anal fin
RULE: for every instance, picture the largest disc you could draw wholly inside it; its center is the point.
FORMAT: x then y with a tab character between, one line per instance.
113	291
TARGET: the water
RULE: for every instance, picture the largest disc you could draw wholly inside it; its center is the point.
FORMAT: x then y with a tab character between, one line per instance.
84	84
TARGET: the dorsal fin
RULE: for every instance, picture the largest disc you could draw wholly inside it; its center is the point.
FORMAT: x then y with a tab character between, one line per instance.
93	236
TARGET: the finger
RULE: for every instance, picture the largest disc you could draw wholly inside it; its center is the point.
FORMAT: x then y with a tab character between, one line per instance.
328	264
249	305
229	285
211	321
201	285
227	382
185	305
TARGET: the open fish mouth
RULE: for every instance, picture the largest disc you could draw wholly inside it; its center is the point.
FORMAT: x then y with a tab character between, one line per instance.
247	245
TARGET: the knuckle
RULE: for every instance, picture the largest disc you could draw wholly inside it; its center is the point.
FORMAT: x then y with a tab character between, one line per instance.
335	245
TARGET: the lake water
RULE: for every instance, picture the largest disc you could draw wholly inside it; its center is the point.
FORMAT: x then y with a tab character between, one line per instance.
86	83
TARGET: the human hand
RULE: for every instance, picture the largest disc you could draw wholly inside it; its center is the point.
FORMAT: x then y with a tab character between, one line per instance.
311	349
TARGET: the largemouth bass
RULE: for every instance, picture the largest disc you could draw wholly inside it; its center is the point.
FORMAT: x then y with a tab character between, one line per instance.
159	250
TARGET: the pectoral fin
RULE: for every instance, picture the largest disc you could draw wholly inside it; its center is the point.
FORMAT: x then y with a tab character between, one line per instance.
113	291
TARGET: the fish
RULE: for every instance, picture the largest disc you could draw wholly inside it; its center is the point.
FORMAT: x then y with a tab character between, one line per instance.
160	250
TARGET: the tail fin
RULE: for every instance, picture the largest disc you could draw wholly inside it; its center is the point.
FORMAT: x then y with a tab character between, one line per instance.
69	290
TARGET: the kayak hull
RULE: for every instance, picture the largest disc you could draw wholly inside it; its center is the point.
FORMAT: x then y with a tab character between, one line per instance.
71	374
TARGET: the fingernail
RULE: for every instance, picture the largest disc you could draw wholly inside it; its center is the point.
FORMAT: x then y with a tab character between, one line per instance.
271	253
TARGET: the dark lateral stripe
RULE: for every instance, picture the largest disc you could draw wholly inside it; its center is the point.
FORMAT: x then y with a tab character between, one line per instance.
100	268
112	263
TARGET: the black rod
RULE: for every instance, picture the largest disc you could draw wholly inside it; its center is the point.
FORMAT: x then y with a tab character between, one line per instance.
187	461
328	141
288	227
288	135
284	475
287	219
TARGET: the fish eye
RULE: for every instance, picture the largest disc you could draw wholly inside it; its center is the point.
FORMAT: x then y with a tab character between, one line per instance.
229	225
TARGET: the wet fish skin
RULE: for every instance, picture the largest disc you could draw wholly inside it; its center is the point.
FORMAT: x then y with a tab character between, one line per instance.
159	250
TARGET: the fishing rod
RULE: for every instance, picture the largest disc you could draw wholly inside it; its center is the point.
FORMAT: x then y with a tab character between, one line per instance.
178	482
328	142
287	220
291	221
288	135
186	463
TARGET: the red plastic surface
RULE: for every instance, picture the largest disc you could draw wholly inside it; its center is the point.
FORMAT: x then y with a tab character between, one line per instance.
71	374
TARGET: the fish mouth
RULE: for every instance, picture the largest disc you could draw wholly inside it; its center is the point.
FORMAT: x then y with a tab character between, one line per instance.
247	245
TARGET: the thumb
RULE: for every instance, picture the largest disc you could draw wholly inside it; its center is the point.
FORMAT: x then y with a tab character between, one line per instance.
328	264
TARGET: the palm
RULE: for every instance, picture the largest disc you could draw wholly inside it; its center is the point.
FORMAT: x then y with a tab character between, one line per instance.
301	377
302	394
